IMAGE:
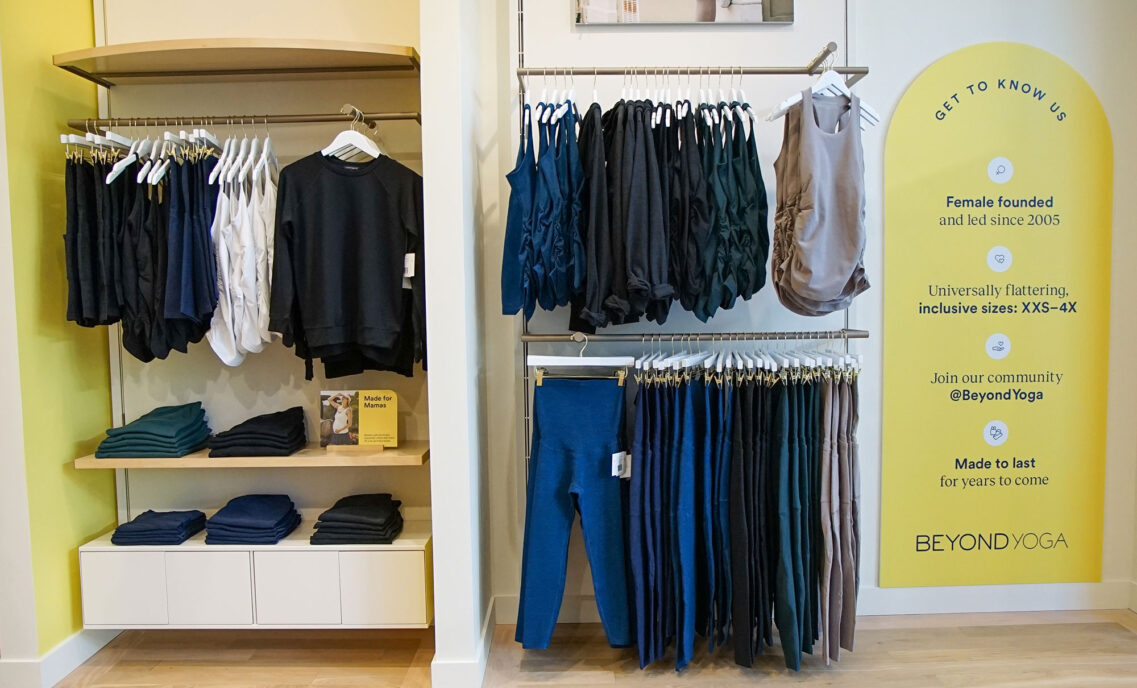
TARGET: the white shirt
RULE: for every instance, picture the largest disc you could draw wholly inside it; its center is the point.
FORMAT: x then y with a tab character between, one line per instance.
246	325
220	332
264	233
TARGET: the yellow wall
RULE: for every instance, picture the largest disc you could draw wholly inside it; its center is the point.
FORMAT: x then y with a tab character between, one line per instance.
63	368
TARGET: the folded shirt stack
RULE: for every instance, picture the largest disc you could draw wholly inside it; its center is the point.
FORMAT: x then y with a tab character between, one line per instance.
167	432
273	434
252	520
159	528
367	519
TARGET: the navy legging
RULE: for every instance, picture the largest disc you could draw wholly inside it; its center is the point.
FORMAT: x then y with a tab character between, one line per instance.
577	426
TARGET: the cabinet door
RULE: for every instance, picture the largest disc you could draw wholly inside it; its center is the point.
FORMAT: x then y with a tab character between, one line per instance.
123	588
209	588
383	588
297	588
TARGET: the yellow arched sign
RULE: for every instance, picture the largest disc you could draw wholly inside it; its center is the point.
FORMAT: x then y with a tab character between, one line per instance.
998	203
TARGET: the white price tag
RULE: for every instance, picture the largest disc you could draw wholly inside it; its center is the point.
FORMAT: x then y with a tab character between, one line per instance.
409	265
627	472
618	460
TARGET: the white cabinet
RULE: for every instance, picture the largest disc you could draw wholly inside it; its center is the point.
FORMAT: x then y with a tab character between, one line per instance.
209	588
383	588
123	588
297	588
292	584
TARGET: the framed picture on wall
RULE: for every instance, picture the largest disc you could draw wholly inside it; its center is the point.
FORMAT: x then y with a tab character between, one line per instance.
591	12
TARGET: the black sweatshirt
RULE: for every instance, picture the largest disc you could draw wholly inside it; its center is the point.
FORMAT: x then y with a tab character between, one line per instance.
342	231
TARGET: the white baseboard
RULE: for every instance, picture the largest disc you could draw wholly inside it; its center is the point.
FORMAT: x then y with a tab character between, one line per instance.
874	601
466	673
574	609
56	664
19	673
66	657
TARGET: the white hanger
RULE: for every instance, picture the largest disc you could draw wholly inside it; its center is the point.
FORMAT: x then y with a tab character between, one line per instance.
670	361
104	142
119	138
250	160
144	171
646	362
235	163
695	359
580	360
119	167
157	156
834	84
268	157
159	172
219	166
210	139
75	140
352	138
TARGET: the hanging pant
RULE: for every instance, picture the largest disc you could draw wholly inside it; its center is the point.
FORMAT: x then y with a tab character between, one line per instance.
577	427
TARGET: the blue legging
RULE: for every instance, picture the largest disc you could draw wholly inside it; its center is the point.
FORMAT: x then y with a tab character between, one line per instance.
577	426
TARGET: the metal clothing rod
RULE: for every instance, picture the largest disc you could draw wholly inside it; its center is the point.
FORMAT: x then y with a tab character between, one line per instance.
697	336
857	73
252	120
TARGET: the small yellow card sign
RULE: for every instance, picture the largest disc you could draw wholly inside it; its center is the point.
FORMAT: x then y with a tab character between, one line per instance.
359	418
378	418
998	205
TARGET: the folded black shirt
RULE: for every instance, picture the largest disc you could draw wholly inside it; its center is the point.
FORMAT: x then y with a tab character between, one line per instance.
365	509
279	424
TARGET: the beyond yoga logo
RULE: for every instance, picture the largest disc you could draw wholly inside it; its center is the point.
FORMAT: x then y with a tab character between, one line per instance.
993	542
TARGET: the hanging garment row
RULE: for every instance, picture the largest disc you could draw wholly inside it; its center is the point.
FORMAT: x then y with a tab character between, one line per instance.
619	214
742	521
138	252
186	237
655	203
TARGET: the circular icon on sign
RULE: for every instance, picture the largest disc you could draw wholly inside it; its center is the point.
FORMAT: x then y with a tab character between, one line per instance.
1000	170
995	433
998	346
999	259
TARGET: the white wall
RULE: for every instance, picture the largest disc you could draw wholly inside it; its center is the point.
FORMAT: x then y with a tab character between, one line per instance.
896	39
552	40
274	379
453	106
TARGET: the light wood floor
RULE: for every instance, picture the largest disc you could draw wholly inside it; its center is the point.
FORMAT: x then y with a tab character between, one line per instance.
1072	650
1066	649
260	659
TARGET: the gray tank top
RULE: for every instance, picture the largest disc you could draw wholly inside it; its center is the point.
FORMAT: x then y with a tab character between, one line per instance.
819	228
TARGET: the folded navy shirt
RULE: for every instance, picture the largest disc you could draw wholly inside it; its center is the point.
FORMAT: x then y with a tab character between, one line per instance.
159	528
237	536
253	511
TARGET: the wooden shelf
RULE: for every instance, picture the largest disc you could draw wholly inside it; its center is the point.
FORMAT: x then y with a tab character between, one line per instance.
233	59
411	453
415	537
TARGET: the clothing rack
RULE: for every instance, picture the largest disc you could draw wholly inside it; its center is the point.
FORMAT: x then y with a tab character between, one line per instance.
855	74
89	124
812	67
580	337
